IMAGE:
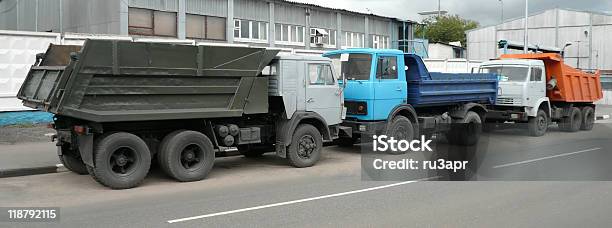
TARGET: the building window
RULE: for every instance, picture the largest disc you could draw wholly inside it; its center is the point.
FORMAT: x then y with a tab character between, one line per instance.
246	30
353	40
323	36
380	41
151	22
205	27
289	34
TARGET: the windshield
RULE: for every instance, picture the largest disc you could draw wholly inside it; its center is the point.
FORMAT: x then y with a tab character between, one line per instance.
507	73
357	68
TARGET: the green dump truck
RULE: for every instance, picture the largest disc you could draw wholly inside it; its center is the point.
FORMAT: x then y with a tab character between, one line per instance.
120	105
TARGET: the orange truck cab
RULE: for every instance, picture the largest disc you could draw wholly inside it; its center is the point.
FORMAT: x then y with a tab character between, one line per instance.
539	88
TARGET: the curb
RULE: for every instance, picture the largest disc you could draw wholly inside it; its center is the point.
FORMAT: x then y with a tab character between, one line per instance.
603	117
32	171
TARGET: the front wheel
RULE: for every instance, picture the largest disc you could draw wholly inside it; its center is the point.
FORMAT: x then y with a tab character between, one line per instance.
306	146
538	125
122	160
400	129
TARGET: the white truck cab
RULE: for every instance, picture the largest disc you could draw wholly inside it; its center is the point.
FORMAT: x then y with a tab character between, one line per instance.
522	90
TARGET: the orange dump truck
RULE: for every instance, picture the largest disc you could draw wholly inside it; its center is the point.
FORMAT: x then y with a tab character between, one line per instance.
540	88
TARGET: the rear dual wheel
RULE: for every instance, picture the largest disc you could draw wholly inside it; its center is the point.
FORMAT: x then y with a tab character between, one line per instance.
465	131
588	118
71	159
122	160
573	121
186	155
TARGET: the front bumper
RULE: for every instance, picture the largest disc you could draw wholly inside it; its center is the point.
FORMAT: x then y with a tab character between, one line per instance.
365	127
507	115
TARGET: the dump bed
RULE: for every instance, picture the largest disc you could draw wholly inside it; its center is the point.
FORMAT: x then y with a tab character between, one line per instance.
434	89
572	85
109	81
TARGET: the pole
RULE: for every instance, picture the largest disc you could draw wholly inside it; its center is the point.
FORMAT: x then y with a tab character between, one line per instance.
439	8
526	43
61	17
502	10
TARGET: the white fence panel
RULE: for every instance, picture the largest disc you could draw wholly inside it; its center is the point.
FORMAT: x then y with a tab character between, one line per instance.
451	65
17	53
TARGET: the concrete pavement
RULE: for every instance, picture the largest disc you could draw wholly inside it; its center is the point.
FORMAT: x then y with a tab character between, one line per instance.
238	183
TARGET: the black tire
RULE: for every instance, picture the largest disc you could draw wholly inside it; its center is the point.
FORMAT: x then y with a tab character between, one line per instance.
588	118
122	160
306	146
400	128
572	122
250	151
186	155
72	160
538	125
465	131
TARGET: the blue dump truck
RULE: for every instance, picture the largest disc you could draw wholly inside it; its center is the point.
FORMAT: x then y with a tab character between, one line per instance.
390	92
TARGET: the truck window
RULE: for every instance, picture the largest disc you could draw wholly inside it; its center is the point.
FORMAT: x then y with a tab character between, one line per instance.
536	74
508	73
357	68
320	74
386	68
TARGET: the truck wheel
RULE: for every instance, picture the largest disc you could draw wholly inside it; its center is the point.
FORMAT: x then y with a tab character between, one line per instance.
72	160
588	118
122	160
400	129
465	131
306	146
572	122
186	155
538	124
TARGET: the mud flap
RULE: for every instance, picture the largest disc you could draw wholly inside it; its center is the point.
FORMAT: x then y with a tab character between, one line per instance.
86	149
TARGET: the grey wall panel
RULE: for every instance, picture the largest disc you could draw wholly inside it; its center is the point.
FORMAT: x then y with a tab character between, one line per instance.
48	17
602	48
216	8
379	27
573	18
91	16
163	5
8	17
353	23
289	14
602	19
251	10
323	19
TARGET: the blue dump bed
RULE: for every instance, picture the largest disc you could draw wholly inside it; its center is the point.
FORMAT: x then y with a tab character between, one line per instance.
434	89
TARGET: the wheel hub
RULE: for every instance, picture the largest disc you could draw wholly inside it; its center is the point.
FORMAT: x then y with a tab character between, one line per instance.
121	160
307	146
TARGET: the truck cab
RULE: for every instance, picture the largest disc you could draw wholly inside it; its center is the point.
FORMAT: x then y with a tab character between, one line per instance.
391	92
522	84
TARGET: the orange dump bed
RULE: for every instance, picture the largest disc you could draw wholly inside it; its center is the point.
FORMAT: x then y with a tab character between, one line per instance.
573	85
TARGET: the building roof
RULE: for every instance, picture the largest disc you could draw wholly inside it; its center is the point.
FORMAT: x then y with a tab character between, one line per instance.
538	13
344	10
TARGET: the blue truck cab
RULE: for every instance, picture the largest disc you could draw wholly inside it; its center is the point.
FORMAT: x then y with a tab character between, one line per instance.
385	88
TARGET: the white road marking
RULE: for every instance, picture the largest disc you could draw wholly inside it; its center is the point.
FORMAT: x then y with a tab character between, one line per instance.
293	201
543	158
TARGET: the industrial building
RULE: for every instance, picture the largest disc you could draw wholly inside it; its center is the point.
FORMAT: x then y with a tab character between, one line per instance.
587	32
274	23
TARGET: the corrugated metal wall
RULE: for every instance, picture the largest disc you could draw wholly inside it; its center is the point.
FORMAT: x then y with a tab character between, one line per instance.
587	32
251	10
289	14
216	8
353	23
84	16
379	27
323	19
163	5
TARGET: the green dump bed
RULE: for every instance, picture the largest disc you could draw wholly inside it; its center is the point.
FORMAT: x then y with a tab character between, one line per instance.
110	81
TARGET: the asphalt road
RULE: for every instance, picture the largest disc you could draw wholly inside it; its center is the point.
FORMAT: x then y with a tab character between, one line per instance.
265	192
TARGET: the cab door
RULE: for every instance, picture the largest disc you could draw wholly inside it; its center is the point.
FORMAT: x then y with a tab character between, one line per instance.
389	87
323	94
536	85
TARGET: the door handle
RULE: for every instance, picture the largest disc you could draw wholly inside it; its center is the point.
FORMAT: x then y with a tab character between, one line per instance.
310	100
398	89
